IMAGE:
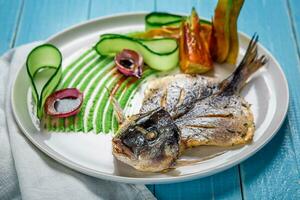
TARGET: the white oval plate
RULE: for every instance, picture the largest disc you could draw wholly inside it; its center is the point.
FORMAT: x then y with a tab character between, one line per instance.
91	154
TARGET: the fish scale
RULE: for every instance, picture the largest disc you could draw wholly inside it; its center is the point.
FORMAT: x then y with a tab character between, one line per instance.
178	93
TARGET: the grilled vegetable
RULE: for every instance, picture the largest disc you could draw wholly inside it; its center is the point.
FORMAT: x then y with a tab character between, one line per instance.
160	25
44	69
160	54
221	31
129	63
163	32
234	41
194	50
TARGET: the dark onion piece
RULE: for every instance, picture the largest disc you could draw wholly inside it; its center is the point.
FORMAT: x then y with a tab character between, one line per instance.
64	103
129	63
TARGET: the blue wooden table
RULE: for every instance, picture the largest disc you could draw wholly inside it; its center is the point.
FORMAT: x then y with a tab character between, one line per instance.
273	172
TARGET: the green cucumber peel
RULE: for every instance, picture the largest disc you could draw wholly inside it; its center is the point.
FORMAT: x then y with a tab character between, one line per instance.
44	58
159	53
158	19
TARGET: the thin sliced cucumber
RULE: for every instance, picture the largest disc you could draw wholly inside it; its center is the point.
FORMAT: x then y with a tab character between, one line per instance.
158	19
44	69
160	54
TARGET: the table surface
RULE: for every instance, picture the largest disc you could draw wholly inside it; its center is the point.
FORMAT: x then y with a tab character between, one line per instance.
273	172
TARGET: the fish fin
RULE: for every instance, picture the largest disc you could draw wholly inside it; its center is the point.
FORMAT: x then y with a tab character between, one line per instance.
117	107
249	64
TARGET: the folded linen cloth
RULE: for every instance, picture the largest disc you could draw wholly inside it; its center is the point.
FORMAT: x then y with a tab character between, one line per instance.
27	173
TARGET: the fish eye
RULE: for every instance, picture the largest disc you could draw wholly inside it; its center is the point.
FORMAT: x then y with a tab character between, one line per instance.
151	135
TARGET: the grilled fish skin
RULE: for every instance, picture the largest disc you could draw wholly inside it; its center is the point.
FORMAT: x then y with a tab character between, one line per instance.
217	120
177	93
148	142
224	118
207	112
215	114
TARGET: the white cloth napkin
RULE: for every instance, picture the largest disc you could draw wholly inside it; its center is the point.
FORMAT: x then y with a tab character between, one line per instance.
26	173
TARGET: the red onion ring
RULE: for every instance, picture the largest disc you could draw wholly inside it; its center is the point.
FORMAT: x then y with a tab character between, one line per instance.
129	63
66	95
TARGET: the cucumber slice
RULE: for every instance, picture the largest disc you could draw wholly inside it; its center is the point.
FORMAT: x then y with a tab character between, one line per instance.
44	69
158	19
160	54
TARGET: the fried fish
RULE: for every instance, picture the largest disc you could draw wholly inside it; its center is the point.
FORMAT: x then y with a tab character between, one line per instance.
184	111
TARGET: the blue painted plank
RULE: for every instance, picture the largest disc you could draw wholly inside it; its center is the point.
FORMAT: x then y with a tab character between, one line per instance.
42	19
273	173
197	189
205	8
151	188
224	185
176	6
294	14
102	8
294	6
9	12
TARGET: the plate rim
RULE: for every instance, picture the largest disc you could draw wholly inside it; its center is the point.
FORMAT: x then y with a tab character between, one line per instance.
153	180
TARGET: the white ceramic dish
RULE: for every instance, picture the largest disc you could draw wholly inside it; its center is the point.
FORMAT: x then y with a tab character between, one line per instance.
91	154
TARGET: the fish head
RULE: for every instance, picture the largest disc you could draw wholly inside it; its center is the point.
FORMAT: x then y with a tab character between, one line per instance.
148	142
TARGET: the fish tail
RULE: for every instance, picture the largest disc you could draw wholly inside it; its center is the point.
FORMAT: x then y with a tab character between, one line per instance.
249	64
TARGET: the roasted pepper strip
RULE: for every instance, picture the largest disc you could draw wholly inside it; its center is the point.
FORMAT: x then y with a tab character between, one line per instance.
163	32
172	32
234	41
221	31
160	24
194	50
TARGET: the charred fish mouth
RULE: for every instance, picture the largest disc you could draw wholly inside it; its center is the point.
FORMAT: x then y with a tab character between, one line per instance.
120	148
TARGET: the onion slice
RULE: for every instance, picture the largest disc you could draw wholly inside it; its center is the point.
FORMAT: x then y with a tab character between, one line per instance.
129	63
64	103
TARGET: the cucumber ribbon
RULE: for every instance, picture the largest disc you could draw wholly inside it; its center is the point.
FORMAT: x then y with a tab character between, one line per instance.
158	53
159	19
44	69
